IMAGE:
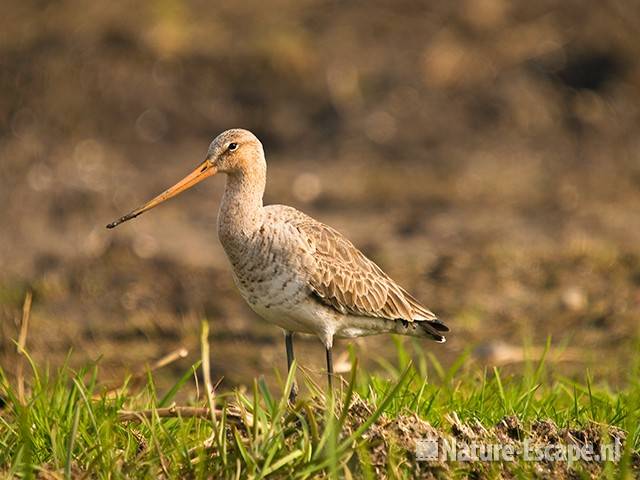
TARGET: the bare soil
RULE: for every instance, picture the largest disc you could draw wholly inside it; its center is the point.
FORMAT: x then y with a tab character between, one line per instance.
485	154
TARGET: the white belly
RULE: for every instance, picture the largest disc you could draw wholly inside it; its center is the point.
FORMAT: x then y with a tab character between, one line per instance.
295	319
292	308
312	317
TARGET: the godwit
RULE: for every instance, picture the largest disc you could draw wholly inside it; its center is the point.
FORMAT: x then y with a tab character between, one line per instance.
292	270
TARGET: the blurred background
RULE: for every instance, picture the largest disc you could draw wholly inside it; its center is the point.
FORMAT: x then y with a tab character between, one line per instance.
486	153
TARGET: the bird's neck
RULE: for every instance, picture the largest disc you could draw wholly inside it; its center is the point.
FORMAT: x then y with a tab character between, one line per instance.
241	211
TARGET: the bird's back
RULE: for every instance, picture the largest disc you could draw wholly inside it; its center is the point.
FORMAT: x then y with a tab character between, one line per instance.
340	276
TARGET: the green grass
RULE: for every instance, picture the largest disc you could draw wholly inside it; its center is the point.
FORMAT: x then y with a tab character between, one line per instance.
69	426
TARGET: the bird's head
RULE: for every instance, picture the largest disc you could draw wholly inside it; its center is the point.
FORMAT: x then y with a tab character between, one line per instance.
234	152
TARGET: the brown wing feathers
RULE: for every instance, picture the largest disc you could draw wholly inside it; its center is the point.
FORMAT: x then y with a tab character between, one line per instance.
351	283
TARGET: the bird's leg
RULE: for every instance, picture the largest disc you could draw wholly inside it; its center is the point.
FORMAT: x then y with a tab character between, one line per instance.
330	368
288	341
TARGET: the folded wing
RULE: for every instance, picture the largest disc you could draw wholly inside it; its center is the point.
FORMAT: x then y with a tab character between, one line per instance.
345	279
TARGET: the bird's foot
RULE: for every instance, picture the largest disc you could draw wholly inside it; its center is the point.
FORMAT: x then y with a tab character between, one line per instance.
293	393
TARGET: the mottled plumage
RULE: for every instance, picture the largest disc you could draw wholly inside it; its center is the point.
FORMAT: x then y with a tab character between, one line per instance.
293	270
345	279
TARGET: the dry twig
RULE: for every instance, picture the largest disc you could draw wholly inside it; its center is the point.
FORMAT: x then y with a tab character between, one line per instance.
172	411
167	359
22	343
206	374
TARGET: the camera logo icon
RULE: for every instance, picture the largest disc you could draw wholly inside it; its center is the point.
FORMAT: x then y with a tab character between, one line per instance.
426	449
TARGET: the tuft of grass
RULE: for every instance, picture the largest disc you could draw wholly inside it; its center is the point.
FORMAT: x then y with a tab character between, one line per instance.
67	425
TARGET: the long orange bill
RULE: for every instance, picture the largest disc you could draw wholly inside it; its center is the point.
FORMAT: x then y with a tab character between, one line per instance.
204	170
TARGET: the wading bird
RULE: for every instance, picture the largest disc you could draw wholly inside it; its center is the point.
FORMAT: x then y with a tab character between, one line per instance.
292	270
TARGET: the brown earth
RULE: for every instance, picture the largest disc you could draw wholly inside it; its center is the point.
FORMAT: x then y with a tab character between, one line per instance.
485	153
392	441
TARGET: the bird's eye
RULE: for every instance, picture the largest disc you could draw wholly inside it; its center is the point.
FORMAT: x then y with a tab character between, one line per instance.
232	146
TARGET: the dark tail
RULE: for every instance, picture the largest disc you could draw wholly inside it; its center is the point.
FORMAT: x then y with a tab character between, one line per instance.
433	329
423	328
